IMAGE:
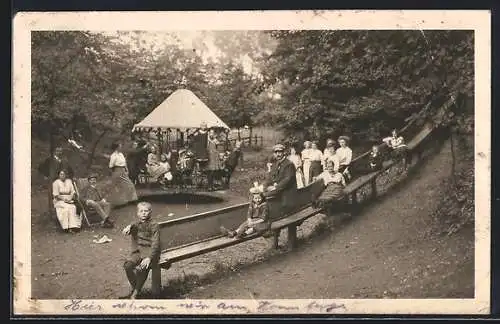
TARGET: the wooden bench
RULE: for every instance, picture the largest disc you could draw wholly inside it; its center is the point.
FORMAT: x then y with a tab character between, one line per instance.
198	234
414	147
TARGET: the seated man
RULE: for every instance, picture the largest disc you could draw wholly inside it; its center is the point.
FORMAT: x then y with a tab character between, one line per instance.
92	198
334	186
281	179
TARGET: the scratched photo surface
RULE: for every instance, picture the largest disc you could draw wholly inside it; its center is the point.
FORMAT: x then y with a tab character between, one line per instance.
252	162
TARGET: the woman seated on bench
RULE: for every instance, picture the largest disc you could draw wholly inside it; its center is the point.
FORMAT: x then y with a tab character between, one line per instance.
153	166
398	146
257	216
334	186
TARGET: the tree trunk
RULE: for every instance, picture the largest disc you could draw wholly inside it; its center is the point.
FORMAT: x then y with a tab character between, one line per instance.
250	137
49	181
239	135
93	150
453	157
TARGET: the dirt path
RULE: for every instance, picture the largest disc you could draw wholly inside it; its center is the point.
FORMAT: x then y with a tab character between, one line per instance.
386	251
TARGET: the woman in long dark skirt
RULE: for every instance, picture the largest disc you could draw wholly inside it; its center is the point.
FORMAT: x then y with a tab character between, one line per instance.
122	190
316	157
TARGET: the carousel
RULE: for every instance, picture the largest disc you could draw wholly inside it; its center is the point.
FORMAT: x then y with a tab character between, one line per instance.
185	147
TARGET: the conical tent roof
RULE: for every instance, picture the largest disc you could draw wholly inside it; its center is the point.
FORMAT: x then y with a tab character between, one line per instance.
182	110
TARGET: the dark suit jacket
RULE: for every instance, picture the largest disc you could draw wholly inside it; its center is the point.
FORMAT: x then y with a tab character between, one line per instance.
51	167
199	144
377	160
283	174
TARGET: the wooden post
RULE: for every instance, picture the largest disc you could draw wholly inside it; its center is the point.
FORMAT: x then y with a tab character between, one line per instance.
292	235
156	281
276	236
159	136
374	187
354	201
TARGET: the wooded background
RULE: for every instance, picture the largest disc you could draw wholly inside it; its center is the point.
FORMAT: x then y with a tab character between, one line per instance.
309	84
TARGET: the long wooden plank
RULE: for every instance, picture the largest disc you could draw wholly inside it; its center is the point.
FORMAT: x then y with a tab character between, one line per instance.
295	218
206	246
202	226
200	248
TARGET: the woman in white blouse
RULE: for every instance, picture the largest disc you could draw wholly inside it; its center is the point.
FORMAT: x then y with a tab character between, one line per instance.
344	155
316	158
63	193
123	188
398	146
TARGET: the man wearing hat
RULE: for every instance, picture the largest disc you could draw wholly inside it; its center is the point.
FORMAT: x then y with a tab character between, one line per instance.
93	199
281	179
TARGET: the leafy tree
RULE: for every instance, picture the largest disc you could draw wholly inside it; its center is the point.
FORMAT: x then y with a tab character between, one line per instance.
76	88
365	82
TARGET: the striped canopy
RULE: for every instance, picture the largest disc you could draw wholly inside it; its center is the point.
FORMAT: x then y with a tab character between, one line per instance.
183	111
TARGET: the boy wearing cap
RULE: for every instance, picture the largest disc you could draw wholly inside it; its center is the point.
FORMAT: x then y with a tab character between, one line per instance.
92	198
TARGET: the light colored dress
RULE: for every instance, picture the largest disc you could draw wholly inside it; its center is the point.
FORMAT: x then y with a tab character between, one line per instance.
306	165
296	160
65	211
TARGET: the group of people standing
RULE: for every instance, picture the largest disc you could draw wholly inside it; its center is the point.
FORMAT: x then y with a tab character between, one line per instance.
311	162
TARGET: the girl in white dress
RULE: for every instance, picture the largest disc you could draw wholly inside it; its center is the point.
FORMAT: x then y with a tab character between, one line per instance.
306	161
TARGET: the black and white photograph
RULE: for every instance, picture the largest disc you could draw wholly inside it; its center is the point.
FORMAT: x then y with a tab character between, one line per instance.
251	162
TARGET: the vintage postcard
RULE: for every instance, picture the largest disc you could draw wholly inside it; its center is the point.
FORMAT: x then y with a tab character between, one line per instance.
258	162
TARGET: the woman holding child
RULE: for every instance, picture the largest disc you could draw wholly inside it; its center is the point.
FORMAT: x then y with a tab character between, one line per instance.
155	169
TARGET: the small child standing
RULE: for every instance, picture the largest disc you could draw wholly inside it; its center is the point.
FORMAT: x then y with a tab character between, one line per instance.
145	248
257	216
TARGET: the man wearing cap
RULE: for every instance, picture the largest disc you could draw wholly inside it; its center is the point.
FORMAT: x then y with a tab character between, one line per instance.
281	179
92	198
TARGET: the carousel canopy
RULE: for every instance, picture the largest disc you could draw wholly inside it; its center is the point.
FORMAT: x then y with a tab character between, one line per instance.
182	110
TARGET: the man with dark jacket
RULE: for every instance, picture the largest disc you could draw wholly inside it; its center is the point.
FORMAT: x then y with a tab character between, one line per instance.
281	179
50	169
136	159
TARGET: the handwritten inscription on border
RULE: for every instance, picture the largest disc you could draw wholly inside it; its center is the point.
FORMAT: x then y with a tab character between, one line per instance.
199	306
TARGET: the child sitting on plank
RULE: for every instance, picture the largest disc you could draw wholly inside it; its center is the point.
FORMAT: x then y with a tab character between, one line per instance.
257	216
